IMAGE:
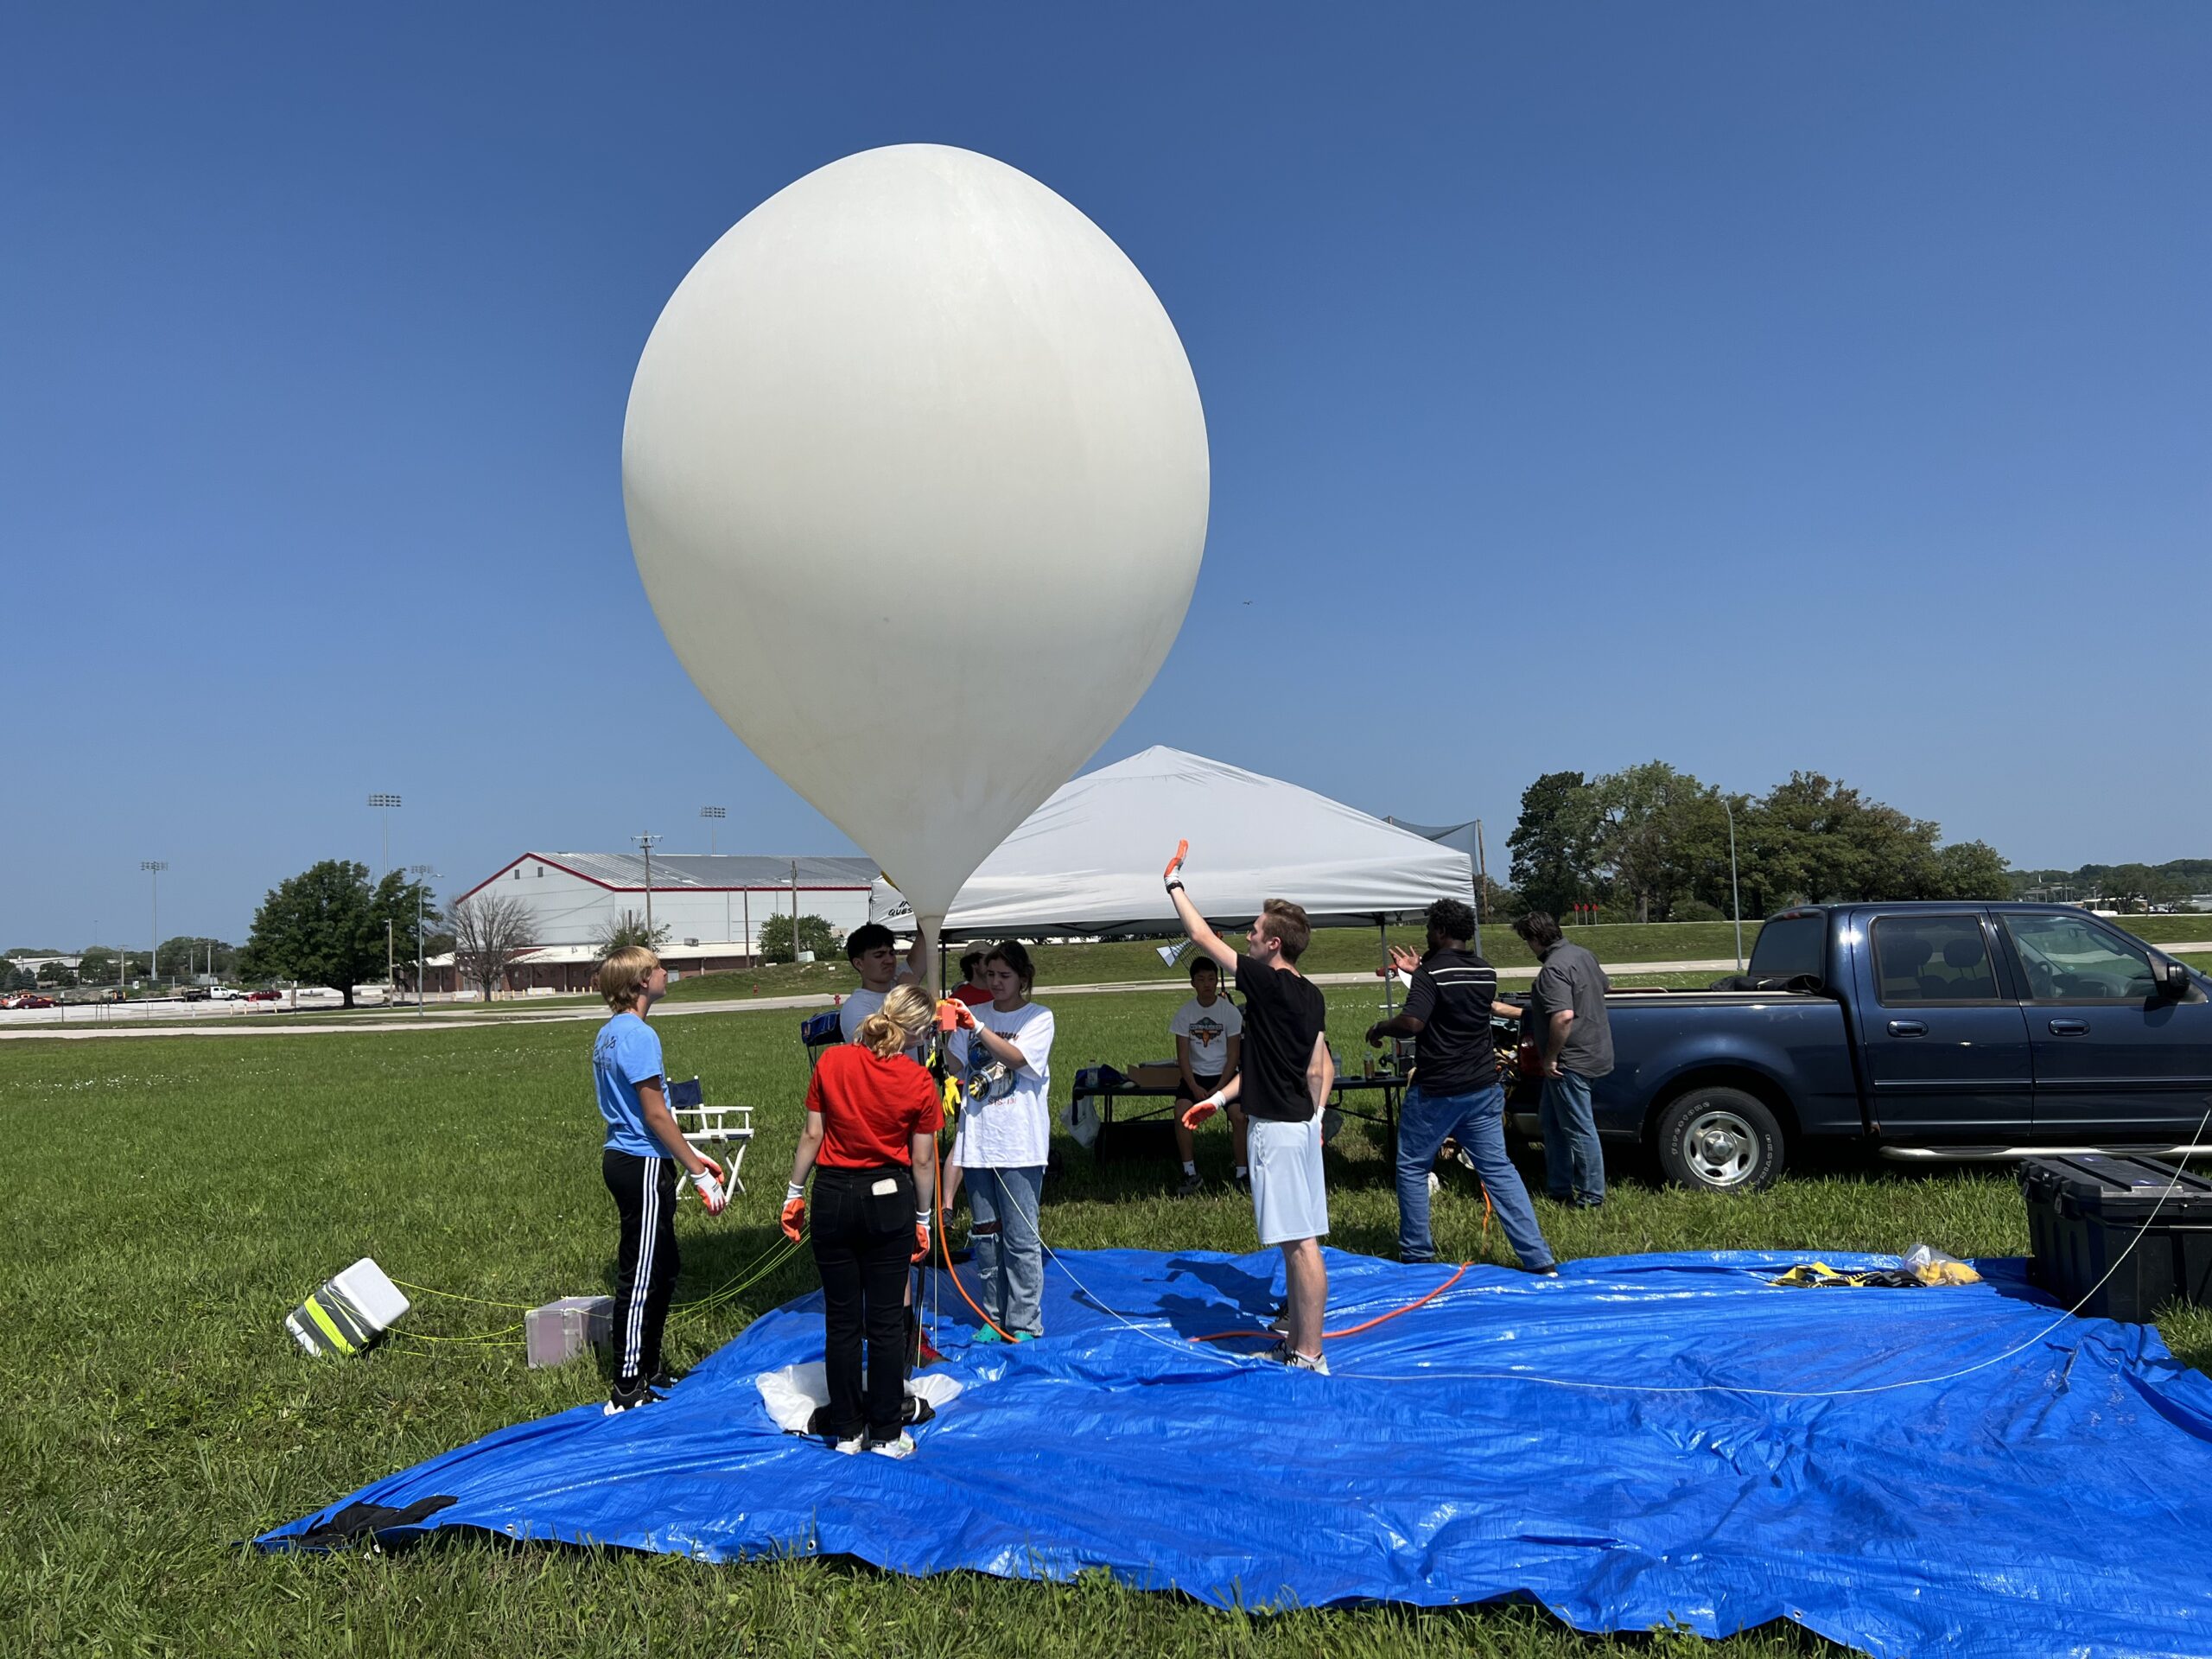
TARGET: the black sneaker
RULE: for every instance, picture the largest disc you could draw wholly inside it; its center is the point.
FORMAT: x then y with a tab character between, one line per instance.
629	1396
1280	1326
1282	1353
664	1379
1191	1186
1241	1182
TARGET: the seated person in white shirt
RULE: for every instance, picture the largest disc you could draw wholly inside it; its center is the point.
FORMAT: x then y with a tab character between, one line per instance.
1209	1036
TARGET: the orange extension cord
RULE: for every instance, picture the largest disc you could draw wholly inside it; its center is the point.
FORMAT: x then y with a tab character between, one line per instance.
1380	1318
944	1256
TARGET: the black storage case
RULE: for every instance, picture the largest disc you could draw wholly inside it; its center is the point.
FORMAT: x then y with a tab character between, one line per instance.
2086	1208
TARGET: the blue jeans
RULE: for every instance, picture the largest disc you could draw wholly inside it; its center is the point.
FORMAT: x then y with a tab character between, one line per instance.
1574	1165
1477	1121
1010	1250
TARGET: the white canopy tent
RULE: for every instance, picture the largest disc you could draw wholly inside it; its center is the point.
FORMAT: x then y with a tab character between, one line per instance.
1088	861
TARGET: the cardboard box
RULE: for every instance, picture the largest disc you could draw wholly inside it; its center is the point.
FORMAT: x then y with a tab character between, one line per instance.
1156	1074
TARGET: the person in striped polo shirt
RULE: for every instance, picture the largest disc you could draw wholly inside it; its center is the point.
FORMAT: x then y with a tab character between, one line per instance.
1455	1093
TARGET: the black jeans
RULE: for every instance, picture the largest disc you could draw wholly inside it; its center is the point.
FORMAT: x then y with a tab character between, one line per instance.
645	1193
863	1241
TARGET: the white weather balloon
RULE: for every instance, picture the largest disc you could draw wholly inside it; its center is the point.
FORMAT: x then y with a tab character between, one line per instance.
916	475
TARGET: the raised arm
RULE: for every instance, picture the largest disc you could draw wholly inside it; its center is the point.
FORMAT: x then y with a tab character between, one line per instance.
1187	913
917	970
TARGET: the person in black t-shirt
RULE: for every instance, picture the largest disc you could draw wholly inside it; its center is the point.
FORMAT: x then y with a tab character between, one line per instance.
1455	1092
1287	1074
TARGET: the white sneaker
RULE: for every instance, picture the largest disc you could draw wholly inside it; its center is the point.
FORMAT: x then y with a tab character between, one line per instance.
1317	1363
901	1448
855	1446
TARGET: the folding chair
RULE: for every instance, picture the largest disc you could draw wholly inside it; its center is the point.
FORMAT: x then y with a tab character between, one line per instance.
722	1132
820	1032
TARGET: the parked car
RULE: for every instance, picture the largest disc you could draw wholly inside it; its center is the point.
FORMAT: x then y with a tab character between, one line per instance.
264	996
1933	1031
31	1000
226	994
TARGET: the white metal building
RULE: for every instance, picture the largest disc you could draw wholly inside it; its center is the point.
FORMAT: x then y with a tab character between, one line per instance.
714	905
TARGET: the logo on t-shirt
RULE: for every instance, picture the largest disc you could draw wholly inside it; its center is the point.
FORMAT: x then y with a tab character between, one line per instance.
1206	1031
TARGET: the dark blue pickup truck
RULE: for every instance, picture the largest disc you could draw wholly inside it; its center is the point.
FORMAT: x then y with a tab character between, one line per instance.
1929	1031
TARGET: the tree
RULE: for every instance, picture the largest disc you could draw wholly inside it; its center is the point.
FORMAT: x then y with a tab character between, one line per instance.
1817	841
814	934
324	926
184	956
1661	836
1971	869
489	932
1555	844
56	975
628	929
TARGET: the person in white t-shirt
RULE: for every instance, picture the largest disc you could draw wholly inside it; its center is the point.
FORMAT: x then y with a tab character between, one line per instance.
873	954
1209	1036
1004	1050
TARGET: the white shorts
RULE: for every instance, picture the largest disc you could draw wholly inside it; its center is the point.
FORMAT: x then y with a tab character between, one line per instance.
1288	1198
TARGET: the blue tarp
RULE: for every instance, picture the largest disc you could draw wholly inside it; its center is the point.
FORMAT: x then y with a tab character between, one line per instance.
2054	1498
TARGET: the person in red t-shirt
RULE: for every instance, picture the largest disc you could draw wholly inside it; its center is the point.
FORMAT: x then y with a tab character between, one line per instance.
971	990
872	1119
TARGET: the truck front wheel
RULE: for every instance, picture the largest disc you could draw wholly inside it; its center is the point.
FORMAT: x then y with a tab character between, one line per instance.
1720	1140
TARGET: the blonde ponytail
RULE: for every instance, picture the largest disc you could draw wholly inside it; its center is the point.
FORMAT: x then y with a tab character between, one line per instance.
903	1021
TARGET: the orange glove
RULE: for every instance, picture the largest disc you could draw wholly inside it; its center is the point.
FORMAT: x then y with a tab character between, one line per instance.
1201	1111
708	1180
1182	852
921	1240
794	1219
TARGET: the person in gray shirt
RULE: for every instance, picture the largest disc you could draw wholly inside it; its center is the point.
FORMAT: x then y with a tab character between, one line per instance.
1574	1039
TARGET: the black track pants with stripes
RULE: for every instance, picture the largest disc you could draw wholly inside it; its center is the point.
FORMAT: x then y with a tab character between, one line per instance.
645	1192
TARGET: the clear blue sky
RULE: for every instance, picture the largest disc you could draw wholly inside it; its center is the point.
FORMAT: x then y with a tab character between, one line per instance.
1754	387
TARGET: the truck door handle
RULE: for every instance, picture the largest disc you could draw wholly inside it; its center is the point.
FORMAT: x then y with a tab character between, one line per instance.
2069	1027
1911	1027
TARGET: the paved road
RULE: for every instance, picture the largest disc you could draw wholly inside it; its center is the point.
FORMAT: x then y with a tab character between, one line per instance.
19	1023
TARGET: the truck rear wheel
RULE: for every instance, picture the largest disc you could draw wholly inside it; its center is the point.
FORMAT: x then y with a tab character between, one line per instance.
1720	1140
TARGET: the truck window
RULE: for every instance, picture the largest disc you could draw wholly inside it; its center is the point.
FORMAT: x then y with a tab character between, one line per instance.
2071	959
1789	946
1932	959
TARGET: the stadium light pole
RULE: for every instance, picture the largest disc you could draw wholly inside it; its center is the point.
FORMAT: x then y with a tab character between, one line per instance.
713	814
154	866
384	803
648	842
422	873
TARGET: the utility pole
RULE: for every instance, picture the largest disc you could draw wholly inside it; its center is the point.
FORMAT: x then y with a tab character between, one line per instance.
384	803
154	866
713	814
794	912
422	873
647	841
1735	892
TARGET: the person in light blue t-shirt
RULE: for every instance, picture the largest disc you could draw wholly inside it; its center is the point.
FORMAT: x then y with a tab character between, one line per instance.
643	1151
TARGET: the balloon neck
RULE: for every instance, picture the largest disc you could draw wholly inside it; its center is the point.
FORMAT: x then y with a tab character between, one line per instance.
930	927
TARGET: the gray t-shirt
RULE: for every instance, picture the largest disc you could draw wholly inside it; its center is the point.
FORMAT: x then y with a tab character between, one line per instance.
1570	978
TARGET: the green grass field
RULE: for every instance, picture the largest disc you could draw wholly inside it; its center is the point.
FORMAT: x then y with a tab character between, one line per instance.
173	1198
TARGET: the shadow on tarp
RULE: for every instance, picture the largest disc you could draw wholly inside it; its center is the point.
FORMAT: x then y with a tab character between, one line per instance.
1640	1440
